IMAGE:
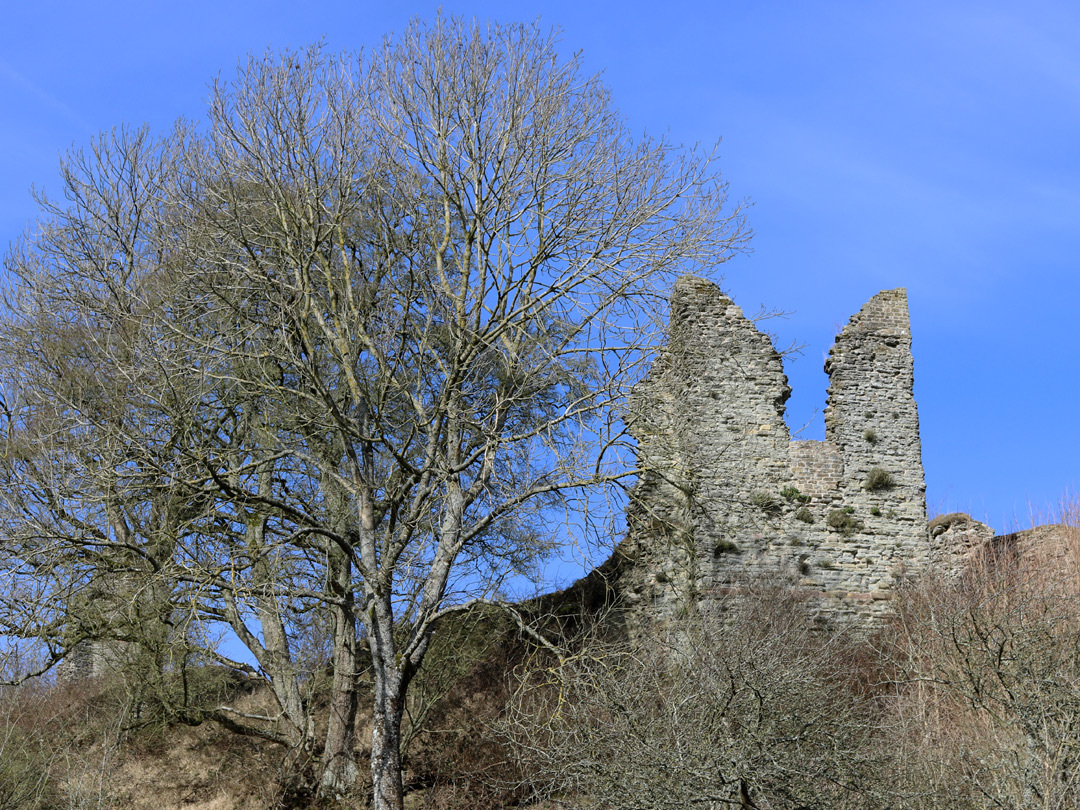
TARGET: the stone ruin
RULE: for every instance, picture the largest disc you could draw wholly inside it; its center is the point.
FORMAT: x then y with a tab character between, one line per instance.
89	659
728	496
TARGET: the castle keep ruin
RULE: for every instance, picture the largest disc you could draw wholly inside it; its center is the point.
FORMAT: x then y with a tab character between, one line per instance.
728	496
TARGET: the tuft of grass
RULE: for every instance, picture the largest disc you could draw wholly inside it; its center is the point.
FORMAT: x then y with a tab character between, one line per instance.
843	520
942	523
804	515
878	479
766	502
792	494
870	436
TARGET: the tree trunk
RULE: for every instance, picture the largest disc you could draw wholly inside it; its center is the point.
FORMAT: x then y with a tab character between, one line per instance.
386	744
391	681
339	761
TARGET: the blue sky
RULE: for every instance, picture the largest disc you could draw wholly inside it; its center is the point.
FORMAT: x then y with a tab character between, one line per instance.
931	145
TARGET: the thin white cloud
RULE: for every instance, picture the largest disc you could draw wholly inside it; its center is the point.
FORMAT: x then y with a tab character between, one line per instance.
44	97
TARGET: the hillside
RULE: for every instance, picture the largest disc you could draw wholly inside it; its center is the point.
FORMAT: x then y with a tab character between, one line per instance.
999	641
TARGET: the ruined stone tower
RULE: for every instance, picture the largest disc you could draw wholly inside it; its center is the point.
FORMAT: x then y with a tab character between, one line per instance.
728	495
89	659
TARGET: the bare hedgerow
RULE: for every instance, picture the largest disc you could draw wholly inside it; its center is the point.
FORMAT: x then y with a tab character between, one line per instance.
27	758
61	745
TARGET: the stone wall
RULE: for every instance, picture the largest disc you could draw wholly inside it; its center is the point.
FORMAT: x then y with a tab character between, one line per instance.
90	659
727	496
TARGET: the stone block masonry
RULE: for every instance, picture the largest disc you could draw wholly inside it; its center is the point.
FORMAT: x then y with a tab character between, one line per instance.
727	496
90	659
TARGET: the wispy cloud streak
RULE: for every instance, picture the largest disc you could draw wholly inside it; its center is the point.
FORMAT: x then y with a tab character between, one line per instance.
44	97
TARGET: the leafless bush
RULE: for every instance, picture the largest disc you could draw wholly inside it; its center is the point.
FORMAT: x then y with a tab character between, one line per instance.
988	695
60	745
26	760
759	711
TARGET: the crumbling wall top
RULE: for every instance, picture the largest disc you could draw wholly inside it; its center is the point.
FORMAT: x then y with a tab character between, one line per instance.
886	315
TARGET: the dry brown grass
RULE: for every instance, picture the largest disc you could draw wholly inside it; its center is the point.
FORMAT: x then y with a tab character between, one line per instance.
202	768
92	747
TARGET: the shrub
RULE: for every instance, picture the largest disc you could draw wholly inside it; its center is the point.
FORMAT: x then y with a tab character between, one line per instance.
805	515
870	436
760	710
793	494
994	654
875	511
25	766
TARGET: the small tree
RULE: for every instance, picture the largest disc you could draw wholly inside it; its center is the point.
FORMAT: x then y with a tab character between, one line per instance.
341	350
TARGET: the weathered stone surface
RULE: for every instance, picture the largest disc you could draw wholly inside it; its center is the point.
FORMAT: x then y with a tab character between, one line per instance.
955	537
727	495
1051	548
90	659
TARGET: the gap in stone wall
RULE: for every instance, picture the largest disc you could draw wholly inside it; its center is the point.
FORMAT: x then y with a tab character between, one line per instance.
808	381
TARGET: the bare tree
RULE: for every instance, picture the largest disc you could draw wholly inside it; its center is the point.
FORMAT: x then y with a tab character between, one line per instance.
341	351
88	514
